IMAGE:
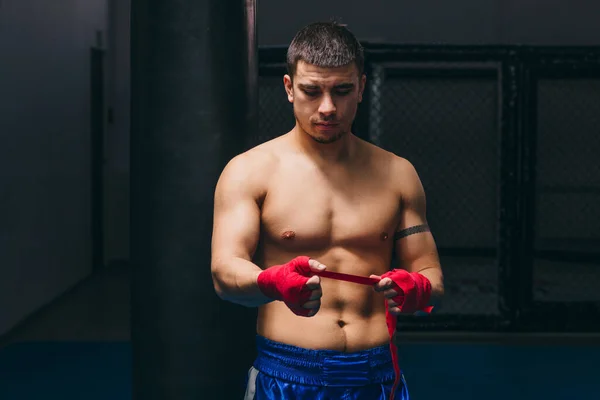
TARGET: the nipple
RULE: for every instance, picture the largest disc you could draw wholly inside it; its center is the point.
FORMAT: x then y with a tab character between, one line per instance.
288	235
383	236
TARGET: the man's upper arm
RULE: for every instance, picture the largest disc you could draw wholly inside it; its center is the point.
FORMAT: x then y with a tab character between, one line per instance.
236	225
415	245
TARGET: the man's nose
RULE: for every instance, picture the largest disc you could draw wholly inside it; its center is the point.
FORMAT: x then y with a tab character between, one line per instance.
327	106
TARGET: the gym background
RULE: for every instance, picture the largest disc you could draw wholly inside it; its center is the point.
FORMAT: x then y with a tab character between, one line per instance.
496	103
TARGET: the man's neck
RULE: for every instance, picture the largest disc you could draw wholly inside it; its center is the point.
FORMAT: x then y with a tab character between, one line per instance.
338	152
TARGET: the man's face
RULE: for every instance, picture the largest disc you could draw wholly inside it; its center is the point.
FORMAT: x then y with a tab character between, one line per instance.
325	99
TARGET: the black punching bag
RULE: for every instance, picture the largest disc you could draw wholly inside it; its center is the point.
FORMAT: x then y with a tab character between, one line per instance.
193	70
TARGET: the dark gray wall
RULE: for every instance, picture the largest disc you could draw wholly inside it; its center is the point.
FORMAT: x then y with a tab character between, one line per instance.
540	22
45	243
116	172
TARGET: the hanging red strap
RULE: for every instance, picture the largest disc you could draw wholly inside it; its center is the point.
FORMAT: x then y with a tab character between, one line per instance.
390	319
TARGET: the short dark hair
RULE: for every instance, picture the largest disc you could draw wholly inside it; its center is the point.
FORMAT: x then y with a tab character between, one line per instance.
325	44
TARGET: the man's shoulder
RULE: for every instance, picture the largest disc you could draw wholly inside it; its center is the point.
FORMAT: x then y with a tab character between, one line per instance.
403	166
256	159
251	168
392	160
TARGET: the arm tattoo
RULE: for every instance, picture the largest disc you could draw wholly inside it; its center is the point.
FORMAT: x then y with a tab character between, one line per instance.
411	231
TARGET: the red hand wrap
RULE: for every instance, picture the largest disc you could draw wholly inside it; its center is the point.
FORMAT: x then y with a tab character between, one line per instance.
287	283
414	290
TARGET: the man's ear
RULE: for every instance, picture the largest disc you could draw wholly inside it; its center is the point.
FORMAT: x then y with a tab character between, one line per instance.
289	87
361	87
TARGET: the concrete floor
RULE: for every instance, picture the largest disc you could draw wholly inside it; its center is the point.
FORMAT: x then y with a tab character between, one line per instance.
98	309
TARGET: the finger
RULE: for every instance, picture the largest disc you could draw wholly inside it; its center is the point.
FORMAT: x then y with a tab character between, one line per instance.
313	282
376	285
394	311
315	265
312	304
392	303
390	293
384	284
313	312
316	294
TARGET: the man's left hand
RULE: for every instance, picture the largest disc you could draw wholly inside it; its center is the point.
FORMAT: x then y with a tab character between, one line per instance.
406	292
390	291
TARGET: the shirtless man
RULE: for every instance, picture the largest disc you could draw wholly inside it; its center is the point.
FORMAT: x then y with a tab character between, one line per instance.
319	198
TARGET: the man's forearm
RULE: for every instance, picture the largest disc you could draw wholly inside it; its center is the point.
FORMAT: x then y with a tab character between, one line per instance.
234	280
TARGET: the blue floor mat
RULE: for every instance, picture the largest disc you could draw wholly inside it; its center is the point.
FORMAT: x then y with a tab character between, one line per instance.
66	371
494	372
94	371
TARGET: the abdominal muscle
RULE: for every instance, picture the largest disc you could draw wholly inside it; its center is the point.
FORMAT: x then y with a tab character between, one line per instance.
351	316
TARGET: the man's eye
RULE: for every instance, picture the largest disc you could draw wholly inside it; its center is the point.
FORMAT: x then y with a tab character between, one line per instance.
343	92
311	93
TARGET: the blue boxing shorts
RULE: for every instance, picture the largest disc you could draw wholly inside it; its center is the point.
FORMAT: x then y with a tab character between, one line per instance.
281	371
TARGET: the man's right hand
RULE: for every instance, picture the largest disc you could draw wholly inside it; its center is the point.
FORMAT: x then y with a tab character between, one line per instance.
295	284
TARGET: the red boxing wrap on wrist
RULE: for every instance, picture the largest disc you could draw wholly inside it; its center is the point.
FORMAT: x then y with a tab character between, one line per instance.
414	290
287	283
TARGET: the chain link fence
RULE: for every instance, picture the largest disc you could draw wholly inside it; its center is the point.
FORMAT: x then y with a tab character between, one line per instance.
275	112
567	195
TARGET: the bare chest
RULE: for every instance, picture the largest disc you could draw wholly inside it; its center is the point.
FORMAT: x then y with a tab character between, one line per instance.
304	211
